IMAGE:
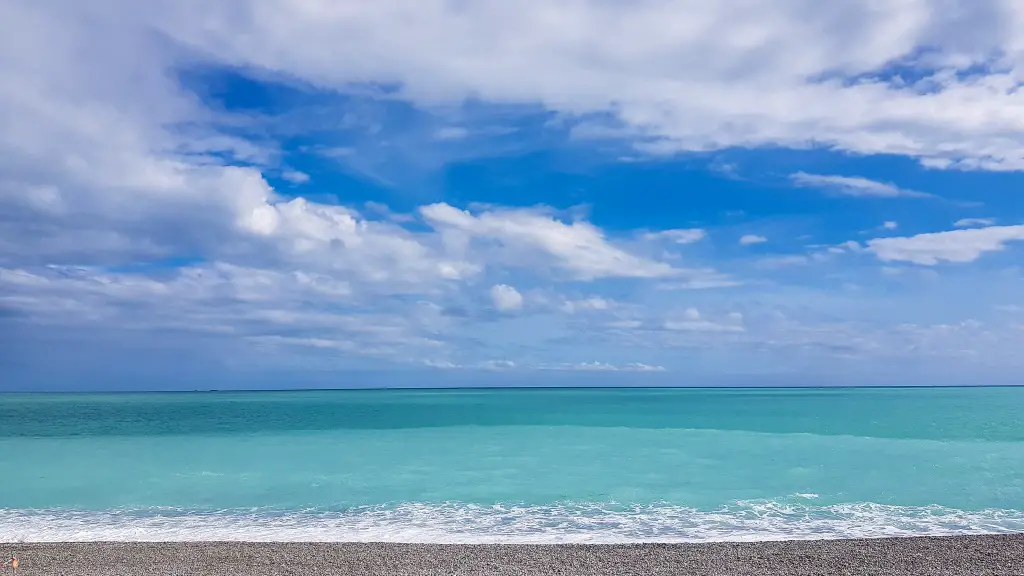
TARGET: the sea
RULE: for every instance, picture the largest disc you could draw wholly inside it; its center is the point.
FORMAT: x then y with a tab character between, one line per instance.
512	465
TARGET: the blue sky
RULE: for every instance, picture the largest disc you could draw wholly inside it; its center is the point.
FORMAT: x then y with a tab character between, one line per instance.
265	193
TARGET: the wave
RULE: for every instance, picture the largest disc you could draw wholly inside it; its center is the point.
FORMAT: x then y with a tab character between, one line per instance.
478	524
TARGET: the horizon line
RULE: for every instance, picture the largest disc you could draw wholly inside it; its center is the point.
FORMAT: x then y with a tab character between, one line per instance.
539	387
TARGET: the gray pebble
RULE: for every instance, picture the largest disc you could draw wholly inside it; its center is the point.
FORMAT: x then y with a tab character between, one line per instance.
1001	555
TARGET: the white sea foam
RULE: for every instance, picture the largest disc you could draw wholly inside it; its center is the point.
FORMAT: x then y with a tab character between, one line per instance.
464	523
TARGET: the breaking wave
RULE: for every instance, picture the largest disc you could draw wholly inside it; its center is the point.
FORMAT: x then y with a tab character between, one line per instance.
469	523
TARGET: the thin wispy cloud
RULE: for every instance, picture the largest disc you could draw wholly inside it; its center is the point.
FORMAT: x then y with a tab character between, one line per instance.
692	321
295	177
974	222
451	133
854	186
679	236
956	246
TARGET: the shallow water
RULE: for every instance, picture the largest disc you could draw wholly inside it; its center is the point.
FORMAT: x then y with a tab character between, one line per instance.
522	465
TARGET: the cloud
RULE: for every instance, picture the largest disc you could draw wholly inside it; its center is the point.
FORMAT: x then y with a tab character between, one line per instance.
118	162
295	177
702	280
108	93
692	322
451	133
337	238
854	186
506	298
561	367
605	367
385	212
890	225
626	324
488	365
257	306
952	246
974	222
748	239
679	236
587	304
783	261
521	237
320	343
781	73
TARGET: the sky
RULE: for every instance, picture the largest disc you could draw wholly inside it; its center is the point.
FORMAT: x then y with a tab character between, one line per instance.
313	193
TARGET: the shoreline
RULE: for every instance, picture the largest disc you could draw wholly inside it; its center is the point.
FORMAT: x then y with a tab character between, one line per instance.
1001	555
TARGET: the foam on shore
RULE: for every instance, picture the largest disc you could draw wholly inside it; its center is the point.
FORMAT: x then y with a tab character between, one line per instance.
459	523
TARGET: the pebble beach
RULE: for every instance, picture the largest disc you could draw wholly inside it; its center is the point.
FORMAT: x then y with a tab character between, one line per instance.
1001	555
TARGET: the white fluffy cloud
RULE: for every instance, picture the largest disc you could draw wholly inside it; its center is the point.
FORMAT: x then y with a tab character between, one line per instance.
108	159
952	246
506	298
339	239
890	225
735	73
528	236
854	186
732	73
748	239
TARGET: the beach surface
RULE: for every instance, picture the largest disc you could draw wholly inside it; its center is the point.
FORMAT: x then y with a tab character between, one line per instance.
962	555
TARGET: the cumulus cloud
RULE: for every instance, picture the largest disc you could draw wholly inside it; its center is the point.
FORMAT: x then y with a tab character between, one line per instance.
522	237
890	225
736	73
748	239
110	159
340	239
506	298
854	186
952	246
100	130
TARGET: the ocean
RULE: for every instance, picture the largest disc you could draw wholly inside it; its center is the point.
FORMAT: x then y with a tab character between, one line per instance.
512	465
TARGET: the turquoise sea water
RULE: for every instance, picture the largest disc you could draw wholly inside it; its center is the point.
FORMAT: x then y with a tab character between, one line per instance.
523	465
